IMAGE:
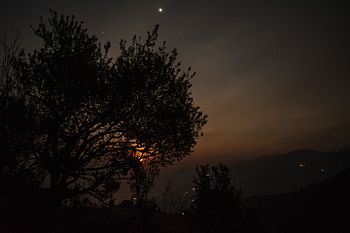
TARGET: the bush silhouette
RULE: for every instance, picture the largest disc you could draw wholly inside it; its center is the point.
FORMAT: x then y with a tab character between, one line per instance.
217	205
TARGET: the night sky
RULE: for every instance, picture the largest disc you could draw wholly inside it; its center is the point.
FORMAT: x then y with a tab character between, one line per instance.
273	76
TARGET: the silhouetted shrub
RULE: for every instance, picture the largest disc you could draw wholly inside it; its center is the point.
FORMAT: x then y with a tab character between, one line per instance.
217	205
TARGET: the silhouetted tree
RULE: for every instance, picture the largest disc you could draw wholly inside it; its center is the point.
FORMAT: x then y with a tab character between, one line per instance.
142	176
17	126
9	51
217	204
91	115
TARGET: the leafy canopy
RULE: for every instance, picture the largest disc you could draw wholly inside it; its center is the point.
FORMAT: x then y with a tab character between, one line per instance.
94	116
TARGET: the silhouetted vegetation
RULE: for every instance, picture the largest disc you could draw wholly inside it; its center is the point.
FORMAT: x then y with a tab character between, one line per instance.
217	205
142	176
78	120
75	122
17	125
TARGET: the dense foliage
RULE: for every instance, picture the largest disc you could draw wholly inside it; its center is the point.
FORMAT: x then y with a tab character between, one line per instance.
81	119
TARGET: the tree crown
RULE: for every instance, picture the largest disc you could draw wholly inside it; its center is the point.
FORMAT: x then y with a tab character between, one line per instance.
95	115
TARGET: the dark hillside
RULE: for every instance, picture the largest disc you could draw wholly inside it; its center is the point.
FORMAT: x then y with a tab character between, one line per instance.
320	207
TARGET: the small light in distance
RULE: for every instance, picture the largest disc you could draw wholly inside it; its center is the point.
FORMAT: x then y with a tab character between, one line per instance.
160	10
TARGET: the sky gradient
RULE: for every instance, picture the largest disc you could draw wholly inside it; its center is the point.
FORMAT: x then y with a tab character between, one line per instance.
273	76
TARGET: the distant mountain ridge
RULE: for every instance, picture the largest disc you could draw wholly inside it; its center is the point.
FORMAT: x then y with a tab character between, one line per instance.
268	174
319	207
287	172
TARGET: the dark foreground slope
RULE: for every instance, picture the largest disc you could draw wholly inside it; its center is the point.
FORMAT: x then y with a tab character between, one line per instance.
320	207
